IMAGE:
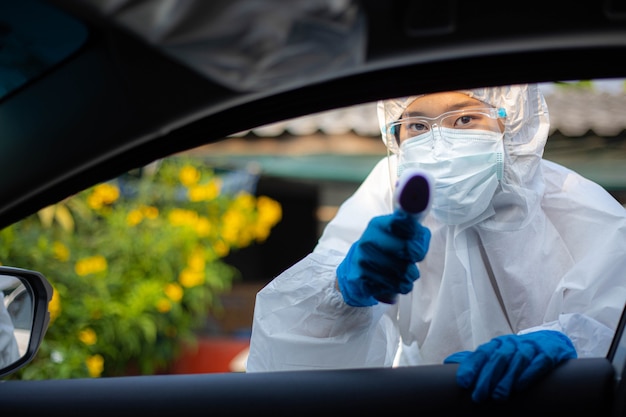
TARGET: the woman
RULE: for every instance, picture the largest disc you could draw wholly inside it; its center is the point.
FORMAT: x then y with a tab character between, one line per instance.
519	260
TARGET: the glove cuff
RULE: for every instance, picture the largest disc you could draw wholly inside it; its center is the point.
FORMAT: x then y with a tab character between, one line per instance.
351	287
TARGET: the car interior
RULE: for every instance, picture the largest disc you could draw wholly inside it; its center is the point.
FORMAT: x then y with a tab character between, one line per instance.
98	93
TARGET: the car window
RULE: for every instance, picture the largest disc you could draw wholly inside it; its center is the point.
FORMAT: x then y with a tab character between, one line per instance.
157	270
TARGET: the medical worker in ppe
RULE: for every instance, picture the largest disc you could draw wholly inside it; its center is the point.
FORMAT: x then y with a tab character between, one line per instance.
518	266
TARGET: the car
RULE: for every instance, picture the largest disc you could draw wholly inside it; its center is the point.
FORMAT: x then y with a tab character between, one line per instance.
92	90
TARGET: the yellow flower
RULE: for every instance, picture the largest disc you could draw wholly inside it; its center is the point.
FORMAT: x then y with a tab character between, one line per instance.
109	193
103	194
90	265
203	227
197	193
269	213
54	306
95	365
163	305
61	252
233	222
244	201
88	336
205	192
94	201
213	188
262	232
174	292
189	278
150	212
181	217
220	248
270	210
196	260
134	217
245	237
189	175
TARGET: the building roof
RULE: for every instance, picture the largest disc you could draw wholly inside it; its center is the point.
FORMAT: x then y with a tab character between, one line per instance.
574	111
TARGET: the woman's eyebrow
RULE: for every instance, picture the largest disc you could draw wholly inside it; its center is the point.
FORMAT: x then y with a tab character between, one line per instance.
456	106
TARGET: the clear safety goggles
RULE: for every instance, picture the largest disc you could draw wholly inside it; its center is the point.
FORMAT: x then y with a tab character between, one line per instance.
412	126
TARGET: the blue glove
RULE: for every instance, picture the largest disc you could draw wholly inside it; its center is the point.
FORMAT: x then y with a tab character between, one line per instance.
510	363
381	263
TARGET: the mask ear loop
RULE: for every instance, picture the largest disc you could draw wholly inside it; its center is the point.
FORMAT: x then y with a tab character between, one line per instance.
392	178
392	169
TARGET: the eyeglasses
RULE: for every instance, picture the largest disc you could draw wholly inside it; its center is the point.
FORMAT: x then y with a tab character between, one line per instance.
478	119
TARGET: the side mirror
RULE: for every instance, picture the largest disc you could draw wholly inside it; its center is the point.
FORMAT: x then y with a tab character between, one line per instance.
24	317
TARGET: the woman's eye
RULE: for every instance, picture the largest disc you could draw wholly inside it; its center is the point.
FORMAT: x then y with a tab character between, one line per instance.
417	127
464	121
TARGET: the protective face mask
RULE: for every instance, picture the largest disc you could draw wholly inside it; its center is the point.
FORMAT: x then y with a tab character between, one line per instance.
466	166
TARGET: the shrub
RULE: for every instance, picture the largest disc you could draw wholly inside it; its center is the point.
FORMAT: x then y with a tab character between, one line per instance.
136	265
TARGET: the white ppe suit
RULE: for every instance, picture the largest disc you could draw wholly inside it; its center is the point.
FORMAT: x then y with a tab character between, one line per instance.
550	254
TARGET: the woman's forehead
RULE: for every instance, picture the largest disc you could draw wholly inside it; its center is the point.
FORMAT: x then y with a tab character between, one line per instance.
437	103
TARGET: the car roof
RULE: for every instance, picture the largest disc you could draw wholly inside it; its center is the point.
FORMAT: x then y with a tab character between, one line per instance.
126	94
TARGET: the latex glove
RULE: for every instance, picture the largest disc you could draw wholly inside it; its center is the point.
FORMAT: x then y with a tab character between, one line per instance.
381	263
510	363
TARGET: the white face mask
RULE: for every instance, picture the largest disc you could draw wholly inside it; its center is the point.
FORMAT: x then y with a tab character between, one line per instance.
466	166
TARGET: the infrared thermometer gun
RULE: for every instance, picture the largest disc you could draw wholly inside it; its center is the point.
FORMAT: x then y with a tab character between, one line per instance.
413	195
